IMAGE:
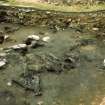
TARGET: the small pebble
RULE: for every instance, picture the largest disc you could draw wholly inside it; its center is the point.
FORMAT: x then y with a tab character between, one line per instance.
104	62
2	62
9	84
40	103
6	37
46	39
34	37
95	29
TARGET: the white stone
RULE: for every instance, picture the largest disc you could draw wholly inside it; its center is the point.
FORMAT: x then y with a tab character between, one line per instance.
95	29
6	37
19	46
1	49
69	20
5	4
40	103
48	12
9	83
3	54
104	62
2	62
34	37
46	39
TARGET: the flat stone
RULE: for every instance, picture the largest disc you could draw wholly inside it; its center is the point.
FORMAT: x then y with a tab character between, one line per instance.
9	83
40	103
3	54
46	39
6	37
2	62
95	29
19	46
34	37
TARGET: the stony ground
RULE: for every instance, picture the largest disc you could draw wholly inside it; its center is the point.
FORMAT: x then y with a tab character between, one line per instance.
30	1
67	67
67	70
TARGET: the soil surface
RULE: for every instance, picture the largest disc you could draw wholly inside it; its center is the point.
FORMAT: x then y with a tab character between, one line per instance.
70	68
31	1
55	61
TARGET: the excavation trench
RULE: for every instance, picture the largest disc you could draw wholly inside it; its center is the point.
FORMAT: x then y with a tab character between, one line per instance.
66	70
